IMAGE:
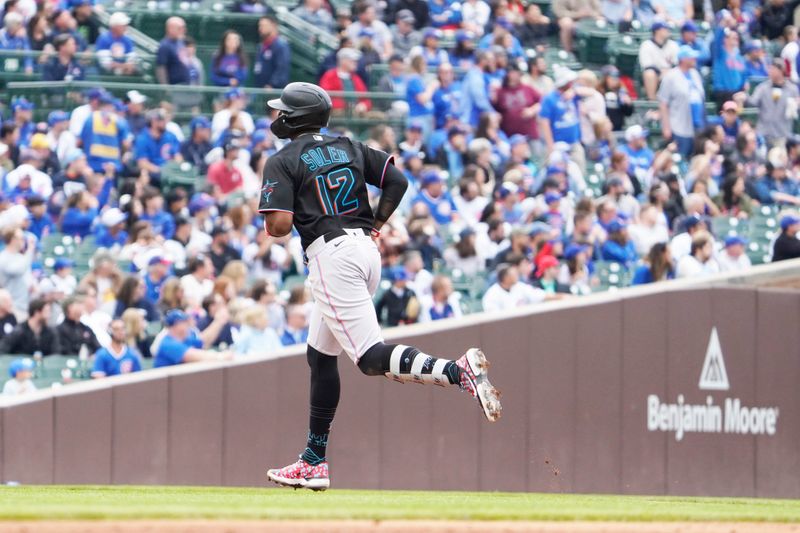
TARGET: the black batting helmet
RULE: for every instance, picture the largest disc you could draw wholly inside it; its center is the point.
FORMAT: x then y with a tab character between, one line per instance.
302	106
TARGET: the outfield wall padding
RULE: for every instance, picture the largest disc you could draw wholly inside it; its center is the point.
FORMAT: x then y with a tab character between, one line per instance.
575	377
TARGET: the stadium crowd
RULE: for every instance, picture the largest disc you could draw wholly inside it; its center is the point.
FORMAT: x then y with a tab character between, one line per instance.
499	147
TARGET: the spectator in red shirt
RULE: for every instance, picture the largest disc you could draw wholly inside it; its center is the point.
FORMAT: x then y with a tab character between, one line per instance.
344	78
224	175
518	105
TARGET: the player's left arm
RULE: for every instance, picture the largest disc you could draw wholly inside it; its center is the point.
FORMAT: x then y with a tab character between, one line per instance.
277	199
381	172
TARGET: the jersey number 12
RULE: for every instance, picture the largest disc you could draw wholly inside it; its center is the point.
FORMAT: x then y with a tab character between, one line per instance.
335	192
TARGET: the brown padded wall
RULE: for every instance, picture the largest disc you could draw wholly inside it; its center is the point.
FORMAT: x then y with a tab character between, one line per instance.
777	377
82	424
28	442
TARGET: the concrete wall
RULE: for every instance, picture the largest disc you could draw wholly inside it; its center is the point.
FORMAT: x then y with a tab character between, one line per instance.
575	379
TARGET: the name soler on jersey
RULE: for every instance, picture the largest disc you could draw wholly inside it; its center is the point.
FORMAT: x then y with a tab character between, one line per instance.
684	418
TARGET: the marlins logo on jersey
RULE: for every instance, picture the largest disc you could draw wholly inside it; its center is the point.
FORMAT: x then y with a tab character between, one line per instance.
268	189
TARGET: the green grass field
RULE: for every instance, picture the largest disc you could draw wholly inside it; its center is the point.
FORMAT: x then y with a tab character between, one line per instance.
125	503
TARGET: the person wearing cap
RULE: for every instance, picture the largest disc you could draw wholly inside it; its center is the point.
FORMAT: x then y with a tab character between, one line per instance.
436	197
158	270
404	36
728	68
32	335
14	37
732	258
20	371
86	24
755	64
116	51
463	255
640	156
657	55
778	186
690	38
27	178
559	119
399	304
700	261
518	105
195	148
59	135
777	102
569	12
75	169
224	175
46	158
787	245
367	18
155	145
118	357
181	344
475	92
135	111
343	77
60	284
40	223
315	13
235	105
105	136
79	115
547	271
688	227
419	9
271	69
619	104
22	110
681	102
618	246
171	65
110	233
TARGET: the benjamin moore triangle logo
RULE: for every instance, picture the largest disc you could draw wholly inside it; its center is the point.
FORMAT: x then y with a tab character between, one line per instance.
714	376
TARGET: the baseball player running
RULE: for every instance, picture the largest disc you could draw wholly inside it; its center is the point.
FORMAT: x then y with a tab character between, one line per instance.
318	183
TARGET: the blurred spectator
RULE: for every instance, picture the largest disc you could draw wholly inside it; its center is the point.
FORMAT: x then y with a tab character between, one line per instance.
216	313
162	222
110	232
518	105
229	63
39	31
657	267
296	329
62	282
80	212
445	14
77	118
700	261
181	344
223	175
404	36
418	8
733	258
255	7
689	38
135	111
33	335
366	18
447	99
681	100
618	194
398	302
315	13
172	59
118	358
440	304
569	12
21	371
13	37
547	271
474	90
419	95
509	292
74	336
728	69
558	116
791	48
233	110
104	136
437	198
657	56
592	108
133	294
453	155
674	12
470	204
649	229
537	76
777	186
59	136
619	12
15	268
255	335
755	65
196	147
40	223
158	270
618	247
271	70
7	318
116	52
535	28
221	252
733	201
430	49
22	111
27	179
394	81
640	156
344	78
105	278
619	104
787	245
155	146
86	24
64	23
198	283
777	104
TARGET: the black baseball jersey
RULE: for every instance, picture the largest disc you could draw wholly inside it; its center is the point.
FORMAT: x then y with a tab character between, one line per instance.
323	180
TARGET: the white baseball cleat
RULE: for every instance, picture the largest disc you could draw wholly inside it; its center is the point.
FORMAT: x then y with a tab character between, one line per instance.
475	381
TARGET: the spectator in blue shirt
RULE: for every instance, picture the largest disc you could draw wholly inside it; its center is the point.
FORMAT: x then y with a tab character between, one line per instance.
475	89
274	56
161	221
181	344
444	14
229	64
501	34
133	294
110	232
640	156
118	358
80	212
13	37
40	223
172	59
559	120
658	266
158	269
22	111
116	52
755	66
619	247
430	50
196	147
436	197
419	95
104	137
777	187
155	145
296	329
63	66
447	97
728	69
689	38
63	23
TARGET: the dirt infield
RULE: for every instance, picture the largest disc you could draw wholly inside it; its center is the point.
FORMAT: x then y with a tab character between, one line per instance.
388	526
